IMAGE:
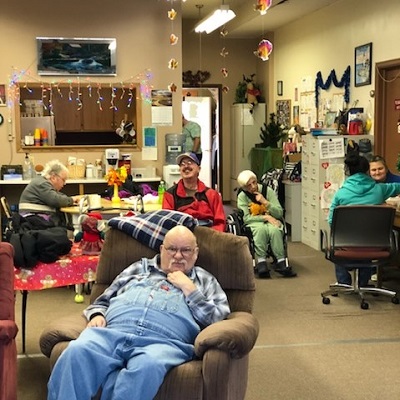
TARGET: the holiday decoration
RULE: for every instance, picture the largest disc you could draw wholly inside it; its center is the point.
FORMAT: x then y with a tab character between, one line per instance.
344	82
262	6
264	49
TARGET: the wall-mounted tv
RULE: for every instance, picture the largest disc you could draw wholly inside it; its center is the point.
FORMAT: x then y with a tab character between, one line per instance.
76	56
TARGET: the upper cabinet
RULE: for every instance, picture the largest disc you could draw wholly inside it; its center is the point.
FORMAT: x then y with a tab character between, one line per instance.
75	115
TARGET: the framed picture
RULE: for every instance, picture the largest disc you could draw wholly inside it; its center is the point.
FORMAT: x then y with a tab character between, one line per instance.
363	65
296	115
279	88
76	56
330	117
283	113
3	100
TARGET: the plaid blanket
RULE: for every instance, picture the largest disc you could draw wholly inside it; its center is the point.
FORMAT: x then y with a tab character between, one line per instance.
150	228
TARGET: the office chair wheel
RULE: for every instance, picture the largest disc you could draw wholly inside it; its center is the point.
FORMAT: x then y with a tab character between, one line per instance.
364	305
395	300
326	300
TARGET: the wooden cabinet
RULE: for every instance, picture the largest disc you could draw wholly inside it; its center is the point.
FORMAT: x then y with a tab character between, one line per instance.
78	108
91	111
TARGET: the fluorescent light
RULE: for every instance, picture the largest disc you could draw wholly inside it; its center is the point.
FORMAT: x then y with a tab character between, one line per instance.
215	20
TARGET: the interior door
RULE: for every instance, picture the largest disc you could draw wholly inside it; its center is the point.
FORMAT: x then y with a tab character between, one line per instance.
198	109
387	112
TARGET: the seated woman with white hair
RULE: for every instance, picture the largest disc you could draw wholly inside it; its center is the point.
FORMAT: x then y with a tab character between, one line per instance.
263	216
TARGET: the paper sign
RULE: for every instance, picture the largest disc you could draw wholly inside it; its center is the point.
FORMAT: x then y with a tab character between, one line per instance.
331	148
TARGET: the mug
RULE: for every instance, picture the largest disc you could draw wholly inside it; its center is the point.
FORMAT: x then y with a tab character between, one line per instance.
94	201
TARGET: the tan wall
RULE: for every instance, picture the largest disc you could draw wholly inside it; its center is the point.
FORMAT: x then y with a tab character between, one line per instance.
142	43
322	41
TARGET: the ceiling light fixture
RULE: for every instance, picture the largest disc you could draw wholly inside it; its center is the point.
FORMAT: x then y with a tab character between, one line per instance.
218	18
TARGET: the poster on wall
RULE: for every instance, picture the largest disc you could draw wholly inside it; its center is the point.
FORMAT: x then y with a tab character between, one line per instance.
161	107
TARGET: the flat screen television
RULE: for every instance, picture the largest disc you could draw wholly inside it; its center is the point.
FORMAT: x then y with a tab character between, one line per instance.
76	56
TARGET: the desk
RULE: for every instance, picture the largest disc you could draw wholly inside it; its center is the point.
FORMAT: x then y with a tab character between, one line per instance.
71	269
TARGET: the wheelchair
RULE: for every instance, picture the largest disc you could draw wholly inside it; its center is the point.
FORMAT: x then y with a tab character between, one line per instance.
236	226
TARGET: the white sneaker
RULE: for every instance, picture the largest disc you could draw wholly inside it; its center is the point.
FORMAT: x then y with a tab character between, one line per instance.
374	278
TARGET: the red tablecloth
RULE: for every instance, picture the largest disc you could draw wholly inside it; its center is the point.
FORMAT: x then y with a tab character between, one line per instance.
71	269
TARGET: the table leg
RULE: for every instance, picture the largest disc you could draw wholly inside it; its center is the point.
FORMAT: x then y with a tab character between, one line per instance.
24	303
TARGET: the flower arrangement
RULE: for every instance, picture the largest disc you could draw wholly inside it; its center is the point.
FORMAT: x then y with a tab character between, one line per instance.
116	176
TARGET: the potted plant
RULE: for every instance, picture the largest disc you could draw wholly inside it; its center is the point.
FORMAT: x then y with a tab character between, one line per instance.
271	134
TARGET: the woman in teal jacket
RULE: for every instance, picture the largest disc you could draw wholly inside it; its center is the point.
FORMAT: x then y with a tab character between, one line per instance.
359	188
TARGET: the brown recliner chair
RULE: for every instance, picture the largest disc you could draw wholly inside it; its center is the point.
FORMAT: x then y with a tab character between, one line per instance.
8	328
222	349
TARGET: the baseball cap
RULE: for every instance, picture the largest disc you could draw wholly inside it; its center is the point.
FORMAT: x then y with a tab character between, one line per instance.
192	156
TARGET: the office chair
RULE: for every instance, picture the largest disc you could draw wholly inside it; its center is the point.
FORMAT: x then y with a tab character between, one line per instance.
361	236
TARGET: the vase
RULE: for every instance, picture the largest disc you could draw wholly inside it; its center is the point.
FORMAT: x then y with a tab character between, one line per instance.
116	200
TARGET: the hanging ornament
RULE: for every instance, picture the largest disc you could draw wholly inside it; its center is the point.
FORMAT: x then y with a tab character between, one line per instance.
264	49
223	32
262	6
173	39
172	87
224	72
172	14
172	64
225	89
223	52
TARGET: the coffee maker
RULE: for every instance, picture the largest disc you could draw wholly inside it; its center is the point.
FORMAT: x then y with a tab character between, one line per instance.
111	159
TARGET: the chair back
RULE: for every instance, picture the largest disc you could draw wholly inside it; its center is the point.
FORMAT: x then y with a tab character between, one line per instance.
224	255
362	232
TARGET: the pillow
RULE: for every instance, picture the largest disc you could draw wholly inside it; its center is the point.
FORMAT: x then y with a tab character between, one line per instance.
150	228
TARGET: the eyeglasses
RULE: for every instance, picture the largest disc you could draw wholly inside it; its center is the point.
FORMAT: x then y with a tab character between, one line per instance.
185	251
64	180
186	162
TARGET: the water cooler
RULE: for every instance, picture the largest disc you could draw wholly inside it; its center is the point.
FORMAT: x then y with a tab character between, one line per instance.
171	175
174	145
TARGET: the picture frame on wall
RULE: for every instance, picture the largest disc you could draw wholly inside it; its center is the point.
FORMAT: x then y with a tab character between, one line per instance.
283	109
76	56
3	99
363	65
279	88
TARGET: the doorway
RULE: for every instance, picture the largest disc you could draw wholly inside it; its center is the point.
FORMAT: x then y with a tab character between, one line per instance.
212	157
387	112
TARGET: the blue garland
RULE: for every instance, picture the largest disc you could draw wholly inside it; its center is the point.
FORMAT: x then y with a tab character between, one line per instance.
344	82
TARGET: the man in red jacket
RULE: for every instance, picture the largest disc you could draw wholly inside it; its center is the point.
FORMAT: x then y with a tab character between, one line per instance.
191	196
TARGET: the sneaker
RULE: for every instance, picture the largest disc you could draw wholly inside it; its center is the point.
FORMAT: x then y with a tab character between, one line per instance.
374	278
263	271
285	271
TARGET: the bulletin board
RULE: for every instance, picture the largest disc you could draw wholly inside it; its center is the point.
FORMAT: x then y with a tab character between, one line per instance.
283	108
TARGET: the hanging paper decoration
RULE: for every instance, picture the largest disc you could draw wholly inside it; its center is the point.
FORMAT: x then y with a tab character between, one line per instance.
223	52
224	72
264	49
172	63
173	39
172	14
262	6
172	87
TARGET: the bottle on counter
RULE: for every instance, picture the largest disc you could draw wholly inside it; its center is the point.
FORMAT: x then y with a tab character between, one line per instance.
161	191
28	170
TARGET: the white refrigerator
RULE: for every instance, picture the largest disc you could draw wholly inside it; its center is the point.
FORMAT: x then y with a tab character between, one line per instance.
246	123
